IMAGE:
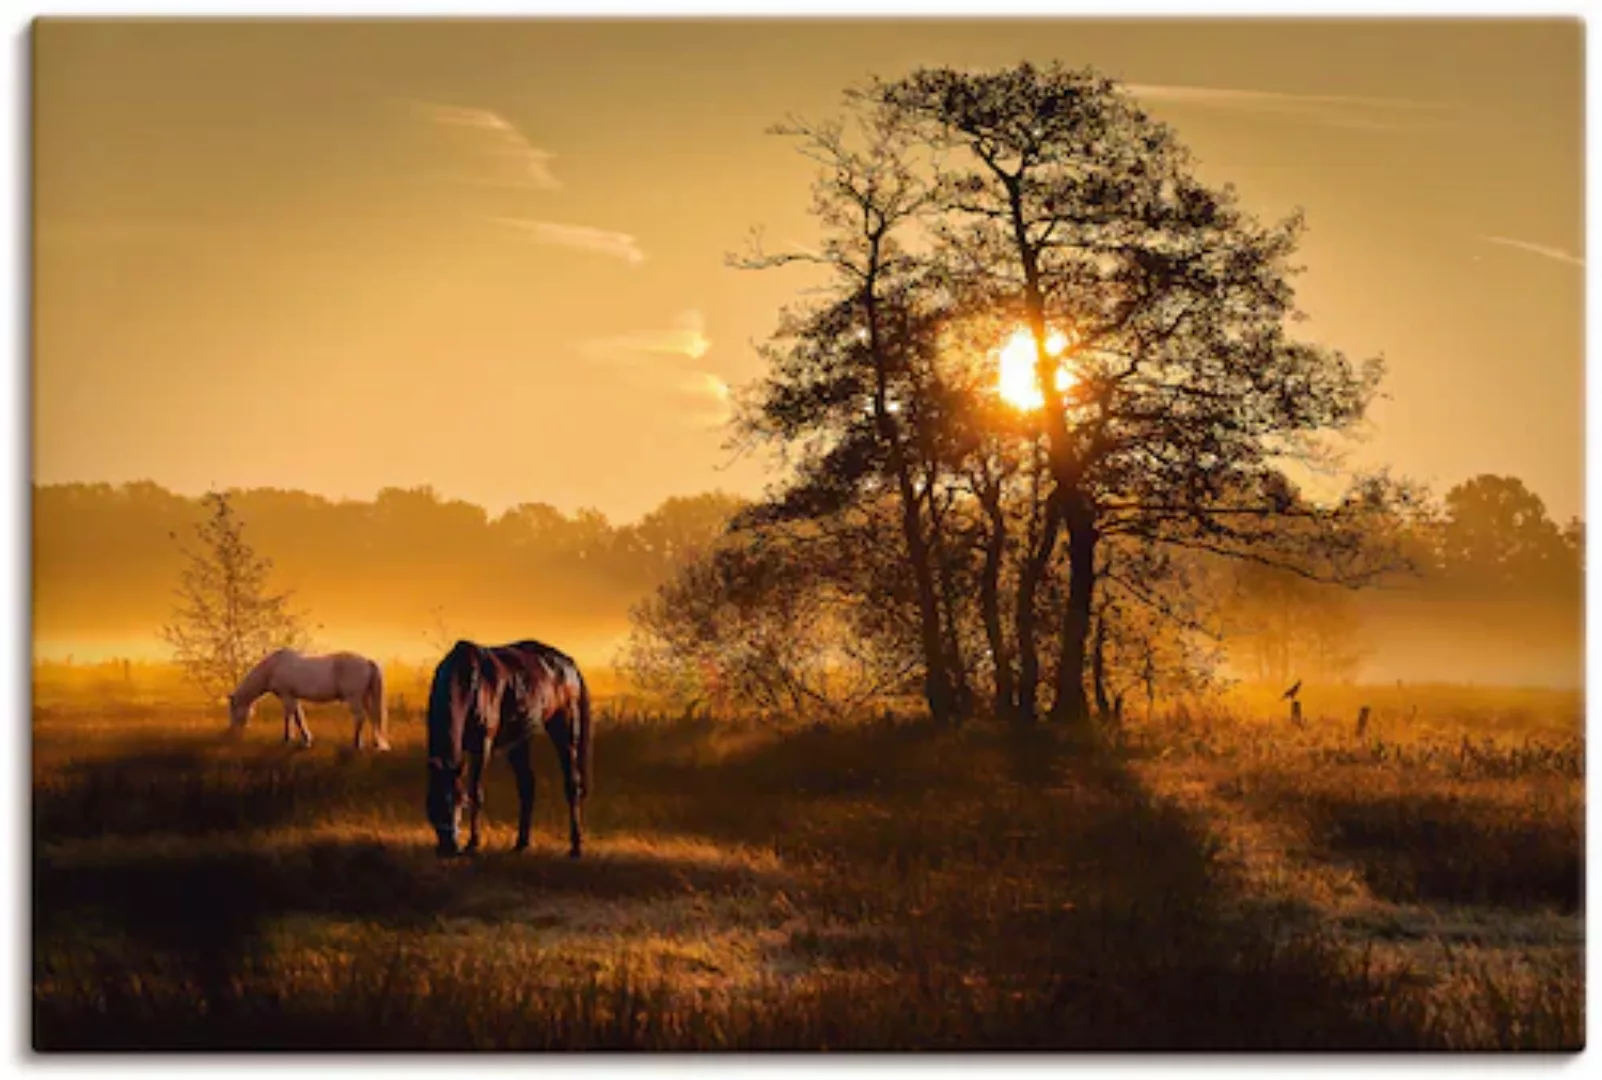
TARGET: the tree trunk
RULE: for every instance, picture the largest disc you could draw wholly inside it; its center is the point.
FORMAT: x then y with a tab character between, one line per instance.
1003	702
1098	668
937	689
1066	472
955	666
1071	706
1030	577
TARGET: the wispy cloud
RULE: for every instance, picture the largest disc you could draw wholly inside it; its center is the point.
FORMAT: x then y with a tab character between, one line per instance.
1544	250
715	396
618	245
505	157
686	337
669	360
1330	110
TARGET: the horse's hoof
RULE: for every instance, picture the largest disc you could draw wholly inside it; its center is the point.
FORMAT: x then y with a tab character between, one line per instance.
381	747
574	853
519	848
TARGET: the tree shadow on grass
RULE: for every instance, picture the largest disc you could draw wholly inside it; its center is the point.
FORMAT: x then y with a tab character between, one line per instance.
1040	897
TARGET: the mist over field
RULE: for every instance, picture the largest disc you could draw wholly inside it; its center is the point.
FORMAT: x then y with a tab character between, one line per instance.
399	576
404	574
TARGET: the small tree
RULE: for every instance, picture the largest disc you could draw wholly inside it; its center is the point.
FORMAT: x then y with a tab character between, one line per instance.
226	618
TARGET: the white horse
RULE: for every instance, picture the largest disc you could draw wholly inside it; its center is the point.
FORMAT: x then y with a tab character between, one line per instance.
341	676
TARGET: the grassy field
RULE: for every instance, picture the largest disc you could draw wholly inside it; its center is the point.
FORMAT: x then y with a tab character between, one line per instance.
1209	877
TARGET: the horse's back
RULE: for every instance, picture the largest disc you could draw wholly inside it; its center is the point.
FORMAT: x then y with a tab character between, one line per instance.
546	671
560	660
555	681
351	660
321	677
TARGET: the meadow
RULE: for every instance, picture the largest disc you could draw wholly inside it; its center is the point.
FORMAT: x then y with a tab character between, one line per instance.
1208	876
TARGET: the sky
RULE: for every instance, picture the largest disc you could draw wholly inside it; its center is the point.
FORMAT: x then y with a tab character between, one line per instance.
490	257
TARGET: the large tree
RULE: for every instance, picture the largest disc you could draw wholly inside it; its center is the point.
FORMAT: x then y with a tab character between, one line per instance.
1171	391
1168	397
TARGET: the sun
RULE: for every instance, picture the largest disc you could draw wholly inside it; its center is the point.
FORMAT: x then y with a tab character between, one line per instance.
1016	383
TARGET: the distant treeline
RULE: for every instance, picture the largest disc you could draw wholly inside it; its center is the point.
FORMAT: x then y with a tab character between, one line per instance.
1498	596
408	563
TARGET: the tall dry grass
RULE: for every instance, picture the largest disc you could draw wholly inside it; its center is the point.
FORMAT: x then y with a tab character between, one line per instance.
784	887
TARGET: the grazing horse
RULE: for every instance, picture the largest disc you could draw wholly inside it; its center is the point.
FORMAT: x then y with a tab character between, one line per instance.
488	698
341	676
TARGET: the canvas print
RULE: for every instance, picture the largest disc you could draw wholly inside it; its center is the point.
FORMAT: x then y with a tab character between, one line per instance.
807	535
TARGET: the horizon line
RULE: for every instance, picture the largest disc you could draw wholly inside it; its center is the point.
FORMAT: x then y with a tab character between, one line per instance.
443	497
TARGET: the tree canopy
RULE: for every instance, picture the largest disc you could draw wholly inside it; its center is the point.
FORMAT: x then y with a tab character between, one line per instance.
1167	402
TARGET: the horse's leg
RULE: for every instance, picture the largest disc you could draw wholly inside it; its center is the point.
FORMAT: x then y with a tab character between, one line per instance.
356	713
289	714
300	718
475	795
522	760
561	733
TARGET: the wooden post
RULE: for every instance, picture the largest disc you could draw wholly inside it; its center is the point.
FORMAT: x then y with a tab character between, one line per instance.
1362	721
1296	712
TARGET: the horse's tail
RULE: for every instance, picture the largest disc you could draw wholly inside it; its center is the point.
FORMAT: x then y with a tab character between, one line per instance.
375	707
585	743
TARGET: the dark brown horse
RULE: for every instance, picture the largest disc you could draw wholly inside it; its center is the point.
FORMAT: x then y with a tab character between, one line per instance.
489	698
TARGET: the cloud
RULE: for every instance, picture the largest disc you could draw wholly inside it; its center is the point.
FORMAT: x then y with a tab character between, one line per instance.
712	390
582	237
1544	250
686	338
668	360
1330	110
504	156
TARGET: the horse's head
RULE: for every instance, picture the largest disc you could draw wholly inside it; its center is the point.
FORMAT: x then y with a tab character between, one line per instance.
446	794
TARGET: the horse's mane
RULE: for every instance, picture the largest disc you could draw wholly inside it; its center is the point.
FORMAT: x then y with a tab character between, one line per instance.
444	739
548	651
255	680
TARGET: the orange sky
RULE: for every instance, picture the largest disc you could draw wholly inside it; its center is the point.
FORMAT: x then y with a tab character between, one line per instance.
489	257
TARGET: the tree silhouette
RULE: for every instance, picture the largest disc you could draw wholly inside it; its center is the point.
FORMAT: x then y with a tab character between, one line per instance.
1061	204
957	207
226	618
